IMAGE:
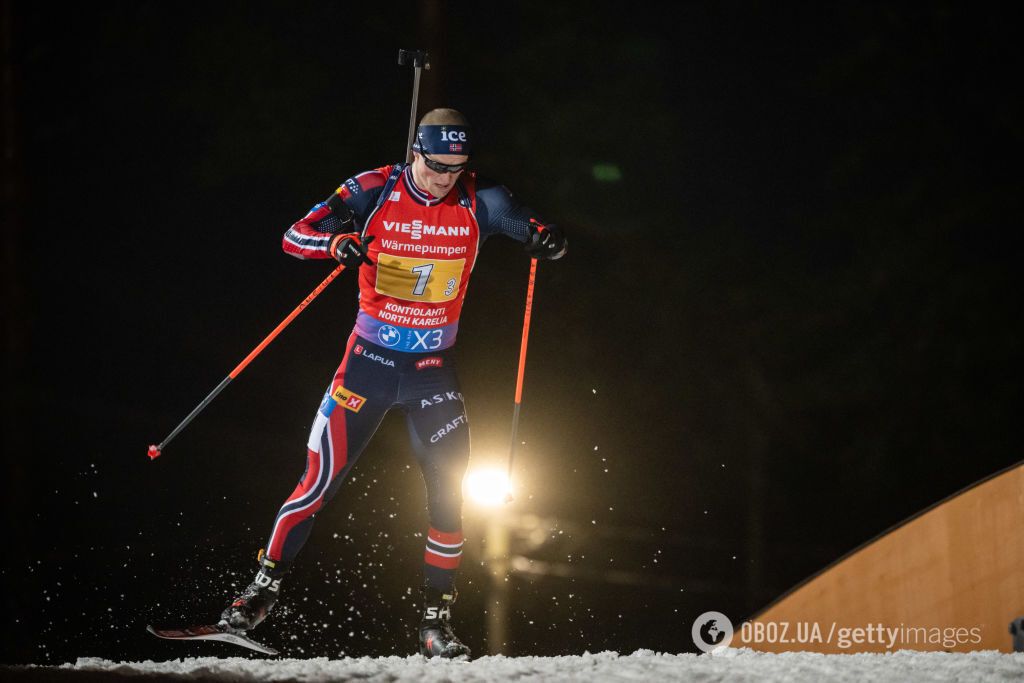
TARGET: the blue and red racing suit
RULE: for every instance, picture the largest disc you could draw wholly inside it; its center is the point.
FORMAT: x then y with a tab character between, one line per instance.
399	354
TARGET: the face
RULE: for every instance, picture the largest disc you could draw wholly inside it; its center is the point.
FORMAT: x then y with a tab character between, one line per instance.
437	184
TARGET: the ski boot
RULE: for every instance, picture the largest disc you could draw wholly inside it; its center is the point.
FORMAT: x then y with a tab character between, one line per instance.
254	604
436	636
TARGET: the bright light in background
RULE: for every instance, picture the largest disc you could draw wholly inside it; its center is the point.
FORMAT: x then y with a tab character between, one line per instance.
488	486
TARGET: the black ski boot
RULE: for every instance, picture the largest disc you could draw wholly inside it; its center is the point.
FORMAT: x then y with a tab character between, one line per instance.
254	604
436	636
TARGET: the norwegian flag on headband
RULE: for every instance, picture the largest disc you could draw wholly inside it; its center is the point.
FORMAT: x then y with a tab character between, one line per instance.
455	147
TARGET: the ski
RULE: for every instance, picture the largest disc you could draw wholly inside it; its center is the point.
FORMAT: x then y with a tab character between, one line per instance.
212	632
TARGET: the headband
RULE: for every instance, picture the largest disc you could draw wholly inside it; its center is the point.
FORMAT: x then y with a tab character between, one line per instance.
445	139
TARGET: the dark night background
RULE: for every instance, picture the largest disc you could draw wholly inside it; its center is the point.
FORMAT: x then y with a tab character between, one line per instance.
790	322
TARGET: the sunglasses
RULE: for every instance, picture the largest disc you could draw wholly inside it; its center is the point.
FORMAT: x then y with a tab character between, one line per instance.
438	167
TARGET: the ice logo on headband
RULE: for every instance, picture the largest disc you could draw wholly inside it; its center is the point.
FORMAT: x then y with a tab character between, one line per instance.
447	139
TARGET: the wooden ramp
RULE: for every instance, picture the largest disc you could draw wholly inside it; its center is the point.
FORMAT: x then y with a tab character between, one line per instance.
958	565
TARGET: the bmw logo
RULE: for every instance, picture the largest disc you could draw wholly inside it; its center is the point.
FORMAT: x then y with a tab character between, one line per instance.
388	335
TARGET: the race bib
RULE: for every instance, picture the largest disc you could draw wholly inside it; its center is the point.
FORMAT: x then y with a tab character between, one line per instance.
415	279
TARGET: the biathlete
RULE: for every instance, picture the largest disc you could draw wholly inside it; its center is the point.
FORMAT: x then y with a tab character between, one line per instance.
413	231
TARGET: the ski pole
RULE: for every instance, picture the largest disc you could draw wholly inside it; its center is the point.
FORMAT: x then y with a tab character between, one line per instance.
156	450
420	59
519	378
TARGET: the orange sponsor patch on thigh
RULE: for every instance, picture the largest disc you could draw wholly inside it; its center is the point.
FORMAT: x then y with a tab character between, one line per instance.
351	400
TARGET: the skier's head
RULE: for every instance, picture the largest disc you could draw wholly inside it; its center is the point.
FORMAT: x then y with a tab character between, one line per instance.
441	149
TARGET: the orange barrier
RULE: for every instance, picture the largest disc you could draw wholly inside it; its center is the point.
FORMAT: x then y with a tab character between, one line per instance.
950	578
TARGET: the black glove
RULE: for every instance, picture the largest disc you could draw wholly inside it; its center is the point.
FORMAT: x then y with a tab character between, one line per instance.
349	251
546	241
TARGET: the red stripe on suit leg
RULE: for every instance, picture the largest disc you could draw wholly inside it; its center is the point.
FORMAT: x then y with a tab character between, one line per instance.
447	537
435	560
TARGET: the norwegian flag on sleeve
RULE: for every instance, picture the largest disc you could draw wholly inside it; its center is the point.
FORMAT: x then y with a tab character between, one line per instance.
310	236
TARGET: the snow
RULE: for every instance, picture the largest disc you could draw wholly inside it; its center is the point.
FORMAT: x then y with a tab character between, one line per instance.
725	664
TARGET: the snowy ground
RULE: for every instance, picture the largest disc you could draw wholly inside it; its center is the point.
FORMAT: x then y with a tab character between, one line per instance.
643	665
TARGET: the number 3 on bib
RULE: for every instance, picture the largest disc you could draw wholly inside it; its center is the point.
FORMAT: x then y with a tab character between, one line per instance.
413	279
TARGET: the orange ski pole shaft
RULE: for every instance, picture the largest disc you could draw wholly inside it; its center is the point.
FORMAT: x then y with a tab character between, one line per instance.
522	369
156	450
